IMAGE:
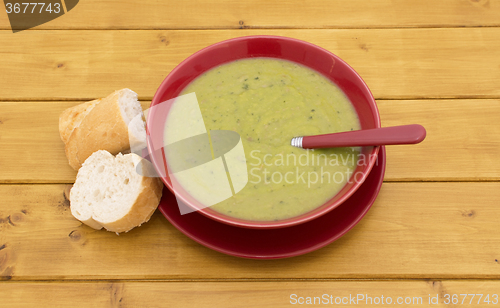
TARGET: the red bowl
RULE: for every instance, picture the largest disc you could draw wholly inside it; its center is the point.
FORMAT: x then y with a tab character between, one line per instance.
285	48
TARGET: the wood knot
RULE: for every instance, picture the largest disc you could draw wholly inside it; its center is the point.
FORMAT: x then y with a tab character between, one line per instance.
5	258
75	235
116	291
469	213
7	273
64	204
164	40
66	192
242	24
438	287
7	220
485	3
16	218
60	65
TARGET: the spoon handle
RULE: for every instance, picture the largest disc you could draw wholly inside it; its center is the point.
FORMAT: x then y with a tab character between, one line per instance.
405	134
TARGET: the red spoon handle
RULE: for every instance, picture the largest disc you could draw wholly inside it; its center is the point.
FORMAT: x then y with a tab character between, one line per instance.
406	134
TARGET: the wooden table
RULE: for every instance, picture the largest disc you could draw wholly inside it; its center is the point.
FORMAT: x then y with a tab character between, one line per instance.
434	228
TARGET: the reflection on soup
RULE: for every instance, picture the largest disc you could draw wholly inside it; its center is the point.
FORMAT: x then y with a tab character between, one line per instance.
267	102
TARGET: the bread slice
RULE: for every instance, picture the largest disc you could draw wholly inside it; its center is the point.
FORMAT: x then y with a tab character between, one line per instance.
102	126
108	192
72	117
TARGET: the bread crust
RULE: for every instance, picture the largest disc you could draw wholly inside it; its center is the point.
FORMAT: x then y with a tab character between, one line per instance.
140	206
72	117
102	128
143	208
92	223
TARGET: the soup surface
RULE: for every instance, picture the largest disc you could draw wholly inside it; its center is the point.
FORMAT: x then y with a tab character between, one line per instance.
267	102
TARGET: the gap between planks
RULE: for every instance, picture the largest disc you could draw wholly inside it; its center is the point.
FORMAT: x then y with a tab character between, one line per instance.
395	181
264	28
256	280
148	98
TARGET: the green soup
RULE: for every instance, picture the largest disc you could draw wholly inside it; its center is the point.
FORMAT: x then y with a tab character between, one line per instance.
269	101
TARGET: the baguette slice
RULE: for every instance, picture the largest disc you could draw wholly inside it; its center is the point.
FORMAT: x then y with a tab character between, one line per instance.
72	117
109	193
104	126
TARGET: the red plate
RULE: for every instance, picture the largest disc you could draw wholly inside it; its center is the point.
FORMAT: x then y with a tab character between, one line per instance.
283	242
304	53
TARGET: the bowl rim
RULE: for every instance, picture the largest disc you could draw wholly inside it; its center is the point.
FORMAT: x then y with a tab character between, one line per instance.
305	217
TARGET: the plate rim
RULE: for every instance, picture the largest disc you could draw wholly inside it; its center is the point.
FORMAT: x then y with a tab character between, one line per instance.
375	192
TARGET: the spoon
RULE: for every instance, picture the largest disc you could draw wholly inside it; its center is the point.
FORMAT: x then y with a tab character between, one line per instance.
405	134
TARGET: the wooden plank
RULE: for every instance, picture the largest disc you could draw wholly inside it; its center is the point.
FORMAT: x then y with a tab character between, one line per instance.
247	294
32	150
414	230
459	146
395	63
462	142
200	14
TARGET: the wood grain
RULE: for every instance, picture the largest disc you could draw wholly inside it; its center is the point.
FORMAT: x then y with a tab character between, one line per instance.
222	14
462	144
243	294
414	230
395	63
427	62
32	150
